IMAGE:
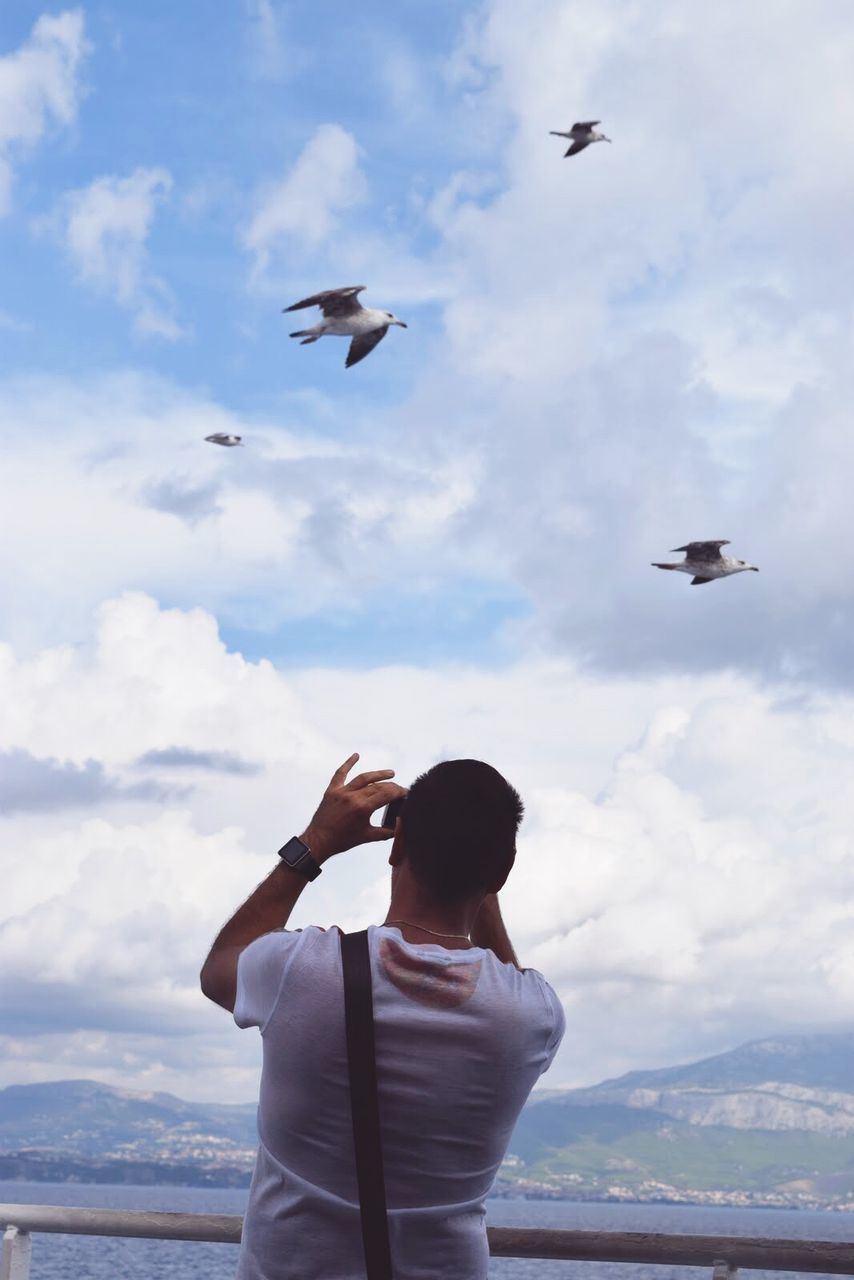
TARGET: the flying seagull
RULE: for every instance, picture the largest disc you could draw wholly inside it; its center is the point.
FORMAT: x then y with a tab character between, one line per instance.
344	316
223	438
581	134
705	561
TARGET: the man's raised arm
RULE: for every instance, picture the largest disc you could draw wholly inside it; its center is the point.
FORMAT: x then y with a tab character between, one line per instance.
342	821
267	909
489	931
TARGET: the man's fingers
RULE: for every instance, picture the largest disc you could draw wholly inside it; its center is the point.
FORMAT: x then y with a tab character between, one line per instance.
339	776
381	793
365	779
387	832
379	833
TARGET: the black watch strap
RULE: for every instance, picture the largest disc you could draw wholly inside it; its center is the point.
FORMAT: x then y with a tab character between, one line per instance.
297	855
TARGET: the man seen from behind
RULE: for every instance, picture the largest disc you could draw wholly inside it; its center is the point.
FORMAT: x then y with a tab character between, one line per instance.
463	1032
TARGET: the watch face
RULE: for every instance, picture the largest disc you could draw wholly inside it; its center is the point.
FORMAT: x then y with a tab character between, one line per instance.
293	852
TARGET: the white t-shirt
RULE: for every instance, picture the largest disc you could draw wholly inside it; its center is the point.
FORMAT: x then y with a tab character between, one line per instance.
460	1040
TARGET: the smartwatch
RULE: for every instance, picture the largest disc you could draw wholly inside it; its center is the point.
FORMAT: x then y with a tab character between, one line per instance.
297	855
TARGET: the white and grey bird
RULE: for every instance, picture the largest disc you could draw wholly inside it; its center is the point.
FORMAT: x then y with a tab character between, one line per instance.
705	562
225	439
345	317
581	135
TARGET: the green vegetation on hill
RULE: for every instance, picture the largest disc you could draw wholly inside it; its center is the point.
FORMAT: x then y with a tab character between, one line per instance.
702	1159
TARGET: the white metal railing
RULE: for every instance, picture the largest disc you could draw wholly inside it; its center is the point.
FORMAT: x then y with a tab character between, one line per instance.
724	1254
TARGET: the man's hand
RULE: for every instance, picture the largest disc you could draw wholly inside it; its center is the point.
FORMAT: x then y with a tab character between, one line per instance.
343	817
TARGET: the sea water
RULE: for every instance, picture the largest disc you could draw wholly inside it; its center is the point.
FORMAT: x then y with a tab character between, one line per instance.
109	1258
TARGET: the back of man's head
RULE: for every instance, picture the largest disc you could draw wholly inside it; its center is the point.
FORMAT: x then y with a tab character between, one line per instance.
459	828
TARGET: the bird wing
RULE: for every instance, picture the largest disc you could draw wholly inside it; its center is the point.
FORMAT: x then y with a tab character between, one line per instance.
703	550
577	146
584	125
696	582
363	344
333	302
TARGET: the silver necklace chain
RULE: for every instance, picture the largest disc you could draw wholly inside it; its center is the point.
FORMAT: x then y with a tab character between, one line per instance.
424	929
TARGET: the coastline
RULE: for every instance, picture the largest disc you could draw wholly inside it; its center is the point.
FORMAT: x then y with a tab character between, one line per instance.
45	1167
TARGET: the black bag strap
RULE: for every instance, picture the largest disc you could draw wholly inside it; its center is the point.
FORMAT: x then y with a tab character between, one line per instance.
362	1065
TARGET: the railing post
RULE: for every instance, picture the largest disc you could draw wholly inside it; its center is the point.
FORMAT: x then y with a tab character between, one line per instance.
724	1270
17	1252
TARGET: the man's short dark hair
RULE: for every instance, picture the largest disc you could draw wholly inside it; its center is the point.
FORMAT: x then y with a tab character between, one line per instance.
459	827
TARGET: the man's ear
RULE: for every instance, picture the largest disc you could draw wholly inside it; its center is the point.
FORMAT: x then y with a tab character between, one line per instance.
501	880
395	857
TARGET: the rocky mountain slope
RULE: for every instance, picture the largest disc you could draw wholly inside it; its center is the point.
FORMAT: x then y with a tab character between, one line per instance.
771	1122
801	1083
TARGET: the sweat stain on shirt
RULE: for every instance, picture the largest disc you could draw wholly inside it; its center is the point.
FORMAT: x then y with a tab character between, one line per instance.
431	982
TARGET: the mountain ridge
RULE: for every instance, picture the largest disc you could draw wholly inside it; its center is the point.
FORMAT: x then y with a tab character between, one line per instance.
798	1082
812	1059
769	1122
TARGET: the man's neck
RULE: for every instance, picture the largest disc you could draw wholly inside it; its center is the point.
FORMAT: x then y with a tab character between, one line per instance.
479	920
421	918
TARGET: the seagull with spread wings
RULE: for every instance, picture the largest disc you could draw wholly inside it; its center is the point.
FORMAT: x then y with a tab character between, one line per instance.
705	562
344	316
581	135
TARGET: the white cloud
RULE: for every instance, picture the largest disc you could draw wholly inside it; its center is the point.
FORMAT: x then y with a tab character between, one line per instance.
12	324
265	533
699	190
266	38
654	336
304	207
39	87
559	500
145	654
682	878
105	229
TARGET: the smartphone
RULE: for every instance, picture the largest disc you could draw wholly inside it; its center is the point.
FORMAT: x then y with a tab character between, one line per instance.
393	811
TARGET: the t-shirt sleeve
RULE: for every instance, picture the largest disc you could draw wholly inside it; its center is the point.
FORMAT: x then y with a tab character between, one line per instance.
555	1023
261	969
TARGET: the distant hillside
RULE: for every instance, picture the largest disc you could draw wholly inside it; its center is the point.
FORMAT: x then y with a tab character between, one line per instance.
771	1122
817	1061
794	1082
84	1118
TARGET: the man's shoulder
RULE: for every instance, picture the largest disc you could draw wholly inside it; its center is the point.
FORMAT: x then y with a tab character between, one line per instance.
271	961
536	995
285	940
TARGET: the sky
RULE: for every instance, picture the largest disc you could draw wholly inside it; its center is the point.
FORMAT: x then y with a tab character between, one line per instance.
445	550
